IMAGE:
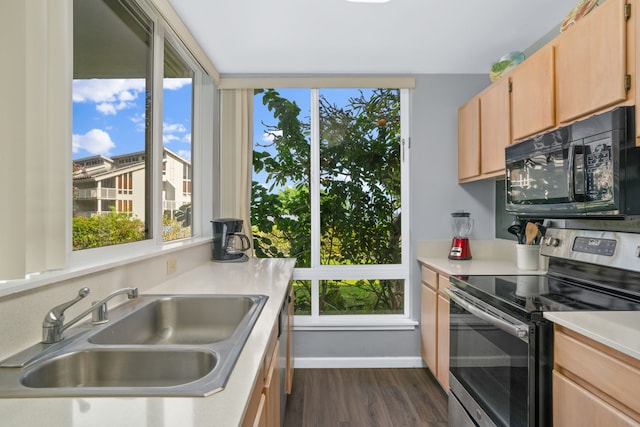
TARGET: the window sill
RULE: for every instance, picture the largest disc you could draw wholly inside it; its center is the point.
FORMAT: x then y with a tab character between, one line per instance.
357	323
94	264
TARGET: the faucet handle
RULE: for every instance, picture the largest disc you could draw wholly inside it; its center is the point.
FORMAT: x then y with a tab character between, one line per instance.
55	316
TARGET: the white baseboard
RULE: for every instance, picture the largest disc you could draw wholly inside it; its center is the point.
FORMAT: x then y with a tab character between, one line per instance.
358	362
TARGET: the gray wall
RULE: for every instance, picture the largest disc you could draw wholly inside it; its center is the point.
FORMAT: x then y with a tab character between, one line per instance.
434	194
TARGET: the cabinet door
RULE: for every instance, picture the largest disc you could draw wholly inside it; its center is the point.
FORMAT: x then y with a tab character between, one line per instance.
272	390
289	367
495	126
575	406
443	342
532	94
261	415
469	139
591	62
428	324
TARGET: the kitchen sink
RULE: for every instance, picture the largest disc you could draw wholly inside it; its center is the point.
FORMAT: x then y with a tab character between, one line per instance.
120	368
154	345
180	320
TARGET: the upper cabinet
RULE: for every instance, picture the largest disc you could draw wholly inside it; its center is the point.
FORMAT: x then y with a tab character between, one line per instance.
484	130
585	70
533	94
469	140
591	65
495	127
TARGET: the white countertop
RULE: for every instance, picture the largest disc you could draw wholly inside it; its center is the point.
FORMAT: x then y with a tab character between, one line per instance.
617	329
489	257
225	409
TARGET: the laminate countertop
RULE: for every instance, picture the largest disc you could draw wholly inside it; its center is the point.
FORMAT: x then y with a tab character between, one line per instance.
489	257
619	330
224	409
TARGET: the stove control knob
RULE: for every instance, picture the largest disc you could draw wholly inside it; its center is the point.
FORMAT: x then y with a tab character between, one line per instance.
552	241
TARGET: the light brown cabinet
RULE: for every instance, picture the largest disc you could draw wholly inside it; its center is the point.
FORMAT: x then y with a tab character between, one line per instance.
533	94
484	130
434	324
593	385
289	361
587	69
271	389
591	65
495	127
428	326
263	408
469	140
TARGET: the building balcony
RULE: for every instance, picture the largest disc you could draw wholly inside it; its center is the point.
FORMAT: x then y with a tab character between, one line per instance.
96	193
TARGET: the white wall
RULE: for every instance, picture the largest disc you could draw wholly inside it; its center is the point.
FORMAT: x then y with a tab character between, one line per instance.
434	194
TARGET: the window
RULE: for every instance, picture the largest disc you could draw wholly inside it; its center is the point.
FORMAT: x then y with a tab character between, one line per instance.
115	134
177	110
329	174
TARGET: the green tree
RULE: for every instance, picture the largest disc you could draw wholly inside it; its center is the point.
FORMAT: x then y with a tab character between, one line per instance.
359	200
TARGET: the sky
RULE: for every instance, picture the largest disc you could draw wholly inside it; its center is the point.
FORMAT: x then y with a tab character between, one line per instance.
109	116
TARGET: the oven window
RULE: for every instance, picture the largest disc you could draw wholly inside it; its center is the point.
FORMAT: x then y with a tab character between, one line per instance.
492	366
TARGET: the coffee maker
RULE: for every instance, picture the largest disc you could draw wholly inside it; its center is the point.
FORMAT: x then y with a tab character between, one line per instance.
229	244
461	226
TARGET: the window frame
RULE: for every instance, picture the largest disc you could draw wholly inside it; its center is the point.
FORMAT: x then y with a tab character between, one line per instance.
203	91
57	85
318	272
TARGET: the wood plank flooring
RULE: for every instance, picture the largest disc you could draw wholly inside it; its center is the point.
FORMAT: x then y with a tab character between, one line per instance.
365	397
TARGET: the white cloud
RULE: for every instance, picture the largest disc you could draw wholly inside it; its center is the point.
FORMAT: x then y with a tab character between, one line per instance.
270	136
187	138
173	128
96	141
185	154
168	138
106	109
109	95
174	84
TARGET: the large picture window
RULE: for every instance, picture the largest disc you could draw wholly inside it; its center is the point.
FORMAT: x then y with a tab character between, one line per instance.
115	131
327	189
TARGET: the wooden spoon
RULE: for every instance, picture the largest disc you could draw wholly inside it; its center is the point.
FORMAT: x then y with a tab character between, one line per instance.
531	231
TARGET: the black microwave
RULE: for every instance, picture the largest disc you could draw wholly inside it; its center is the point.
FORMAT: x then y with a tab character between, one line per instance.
590	168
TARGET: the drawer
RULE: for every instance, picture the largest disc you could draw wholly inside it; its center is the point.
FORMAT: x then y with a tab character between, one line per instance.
607	370
429	277
575	406
443	283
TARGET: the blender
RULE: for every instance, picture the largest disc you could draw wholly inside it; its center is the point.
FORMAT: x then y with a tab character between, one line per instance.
461	226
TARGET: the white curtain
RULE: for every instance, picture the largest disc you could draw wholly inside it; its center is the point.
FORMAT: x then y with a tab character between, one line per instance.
236	154
35	150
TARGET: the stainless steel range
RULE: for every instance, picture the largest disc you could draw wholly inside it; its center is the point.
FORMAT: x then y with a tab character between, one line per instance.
501	347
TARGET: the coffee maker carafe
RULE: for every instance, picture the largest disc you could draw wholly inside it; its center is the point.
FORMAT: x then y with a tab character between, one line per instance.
461	226
229	244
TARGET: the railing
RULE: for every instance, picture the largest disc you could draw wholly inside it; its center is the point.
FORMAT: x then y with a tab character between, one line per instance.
169	205
96	193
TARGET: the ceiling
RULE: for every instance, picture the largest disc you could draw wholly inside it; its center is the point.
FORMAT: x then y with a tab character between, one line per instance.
341	37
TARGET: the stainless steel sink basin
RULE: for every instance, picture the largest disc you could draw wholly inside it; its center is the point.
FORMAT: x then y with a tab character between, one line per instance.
120	368
155	345
180	320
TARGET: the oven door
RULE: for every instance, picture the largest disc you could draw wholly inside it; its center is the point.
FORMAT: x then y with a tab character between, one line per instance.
490	364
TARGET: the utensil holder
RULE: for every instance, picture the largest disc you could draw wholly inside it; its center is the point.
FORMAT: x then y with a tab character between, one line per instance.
527	257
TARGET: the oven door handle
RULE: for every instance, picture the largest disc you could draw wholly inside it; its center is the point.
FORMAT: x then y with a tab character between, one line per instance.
519	331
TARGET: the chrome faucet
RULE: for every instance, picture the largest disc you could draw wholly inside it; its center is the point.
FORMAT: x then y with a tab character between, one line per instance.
53	324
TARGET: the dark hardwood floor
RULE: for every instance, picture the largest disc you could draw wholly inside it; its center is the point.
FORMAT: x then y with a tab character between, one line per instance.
365	397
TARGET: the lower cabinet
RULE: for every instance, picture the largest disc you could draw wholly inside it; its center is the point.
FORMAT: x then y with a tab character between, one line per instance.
264	404
434	324
593	385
